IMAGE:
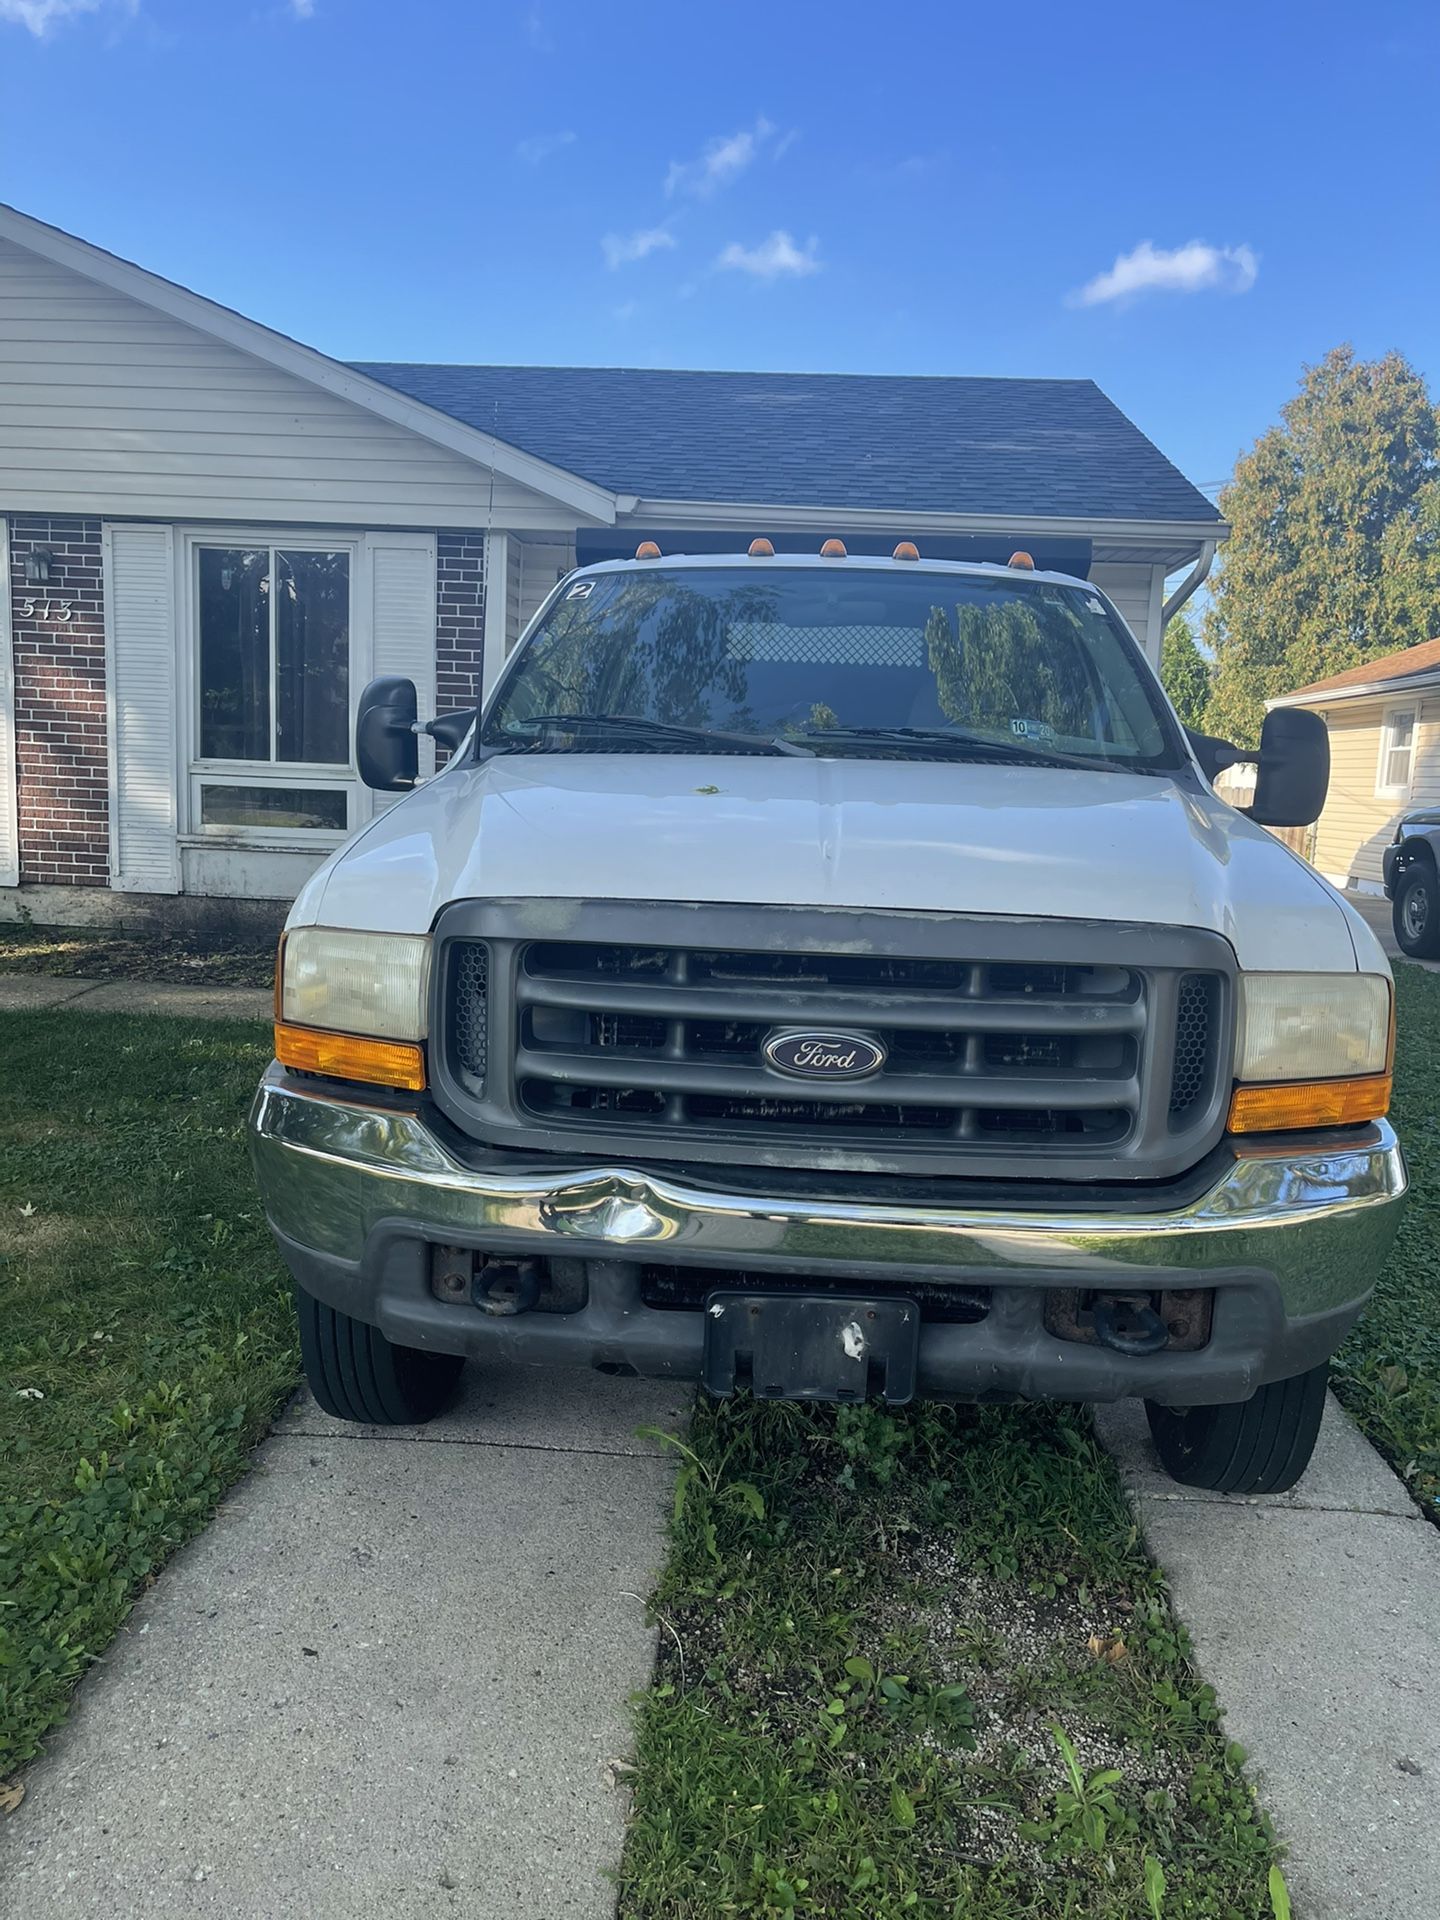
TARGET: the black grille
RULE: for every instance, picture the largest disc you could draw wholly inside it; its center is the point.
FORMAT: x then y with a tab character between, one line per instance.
470	1010
1193	1074
1009	1052
1008	1048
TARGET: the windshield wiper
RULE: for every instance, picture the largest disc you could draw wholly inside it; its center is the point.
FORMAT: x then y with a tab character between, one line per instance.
965	746
659	730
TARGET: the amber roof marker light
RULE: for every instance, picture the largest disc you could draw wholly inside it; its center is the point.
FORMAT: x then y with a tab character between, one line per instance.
833	550
907	550
760	550
647	550
1023	560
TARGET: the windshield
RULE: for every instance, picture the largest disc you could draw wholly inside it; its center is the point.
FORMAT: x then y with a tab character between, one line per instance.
872	661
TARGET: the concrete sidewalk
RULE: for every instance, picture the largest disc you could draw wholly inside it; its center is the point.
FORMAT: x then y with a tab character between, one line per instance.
31	992
389	1679
1316	1617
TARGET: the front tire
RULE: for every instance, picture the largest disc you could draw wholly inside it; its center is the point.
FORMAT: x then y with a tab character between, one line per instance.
1259	1445
355	1373
1415	914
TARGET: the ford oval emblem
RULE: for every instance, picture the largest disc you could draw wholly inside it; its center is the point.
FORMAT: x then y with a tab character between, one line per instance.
812	1054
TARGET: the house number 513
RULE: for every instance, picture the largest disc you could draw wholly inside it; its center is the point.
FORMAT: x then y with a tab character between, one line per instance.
46	609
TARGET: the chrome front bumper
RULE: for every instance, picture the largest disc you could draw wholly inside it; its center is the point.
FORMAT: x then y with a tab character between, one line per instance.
1299	1232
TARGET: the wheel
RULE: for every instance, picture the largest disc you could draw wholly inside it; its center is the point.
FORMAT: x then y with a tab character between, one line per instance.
1416	914
355	1373
1259	1445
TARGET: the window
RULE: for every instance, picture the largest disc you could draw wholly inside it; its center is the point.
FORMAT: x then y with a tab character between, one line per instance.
1397	753
271	702
1012	668
274	654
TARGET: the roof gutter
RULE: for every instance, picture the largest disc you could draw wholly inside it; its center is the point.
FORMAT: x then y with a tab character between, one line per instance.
1187	586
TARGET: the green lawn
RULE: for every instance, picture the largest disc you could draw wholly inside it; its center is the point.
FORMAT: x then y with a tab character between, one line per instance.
921	1665
1388	1372
146	1337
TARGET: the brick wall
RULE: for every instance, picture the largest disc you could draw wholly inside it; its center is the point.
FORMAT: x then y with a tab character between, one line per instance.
62	772
460	619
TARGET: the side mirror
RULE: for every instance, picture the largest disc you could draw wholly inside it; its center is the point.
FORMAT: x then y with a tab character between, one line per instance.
1293	769
1214	755
451	728
387	752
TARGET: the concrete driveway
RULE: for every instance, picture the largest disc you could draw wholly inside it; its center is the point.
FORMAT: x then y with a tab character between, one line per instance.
389	1679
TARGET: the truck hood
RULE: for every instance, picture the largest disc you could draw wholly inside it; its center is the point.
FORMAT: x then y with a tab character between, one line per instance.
949	837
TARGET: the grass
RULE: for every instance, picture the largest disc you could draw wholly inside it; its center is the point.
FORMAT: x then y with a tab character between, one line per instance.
919	1664
146	1337
241	958
1388	1372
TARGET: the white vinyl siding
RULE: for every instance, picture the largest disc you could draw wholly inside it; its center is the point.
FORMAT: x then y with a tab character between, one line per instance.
1137	592
9	818
108	407
139	568
535	566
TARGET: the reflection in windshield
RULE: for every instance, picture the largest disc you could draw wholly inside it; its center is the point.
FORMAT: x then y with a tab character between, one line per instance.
1028	664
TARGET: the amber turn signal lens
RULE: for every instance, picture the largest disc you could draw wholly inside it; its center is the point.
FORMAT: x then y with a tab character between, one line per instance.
1310	1103
1022	560
346	1056
833	550
647	550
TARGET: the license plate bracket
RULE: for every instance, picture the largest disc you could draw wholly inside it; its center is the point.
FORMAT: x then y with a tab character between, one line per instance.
811	1346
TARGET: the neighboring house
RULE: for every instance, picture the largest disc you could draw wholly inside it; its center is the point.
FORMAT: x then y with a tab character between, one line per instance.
1384	723
213	536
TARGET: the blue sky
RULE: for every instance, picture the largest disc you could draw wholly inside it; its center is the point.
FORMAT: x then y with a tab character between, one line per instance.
1181	204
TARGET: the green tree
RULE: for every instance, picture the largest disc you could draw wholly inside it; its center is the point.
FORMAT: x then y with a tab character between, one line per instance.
1334	554
1185	672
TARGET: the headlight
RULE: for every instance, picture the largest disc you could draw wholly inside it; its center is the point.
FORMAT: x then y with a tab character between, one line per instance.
1312	1026
370	983
1311	1050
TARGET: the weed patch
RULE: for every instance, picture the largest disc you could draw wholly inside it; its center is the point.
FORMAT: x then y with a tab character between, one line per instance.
919	1664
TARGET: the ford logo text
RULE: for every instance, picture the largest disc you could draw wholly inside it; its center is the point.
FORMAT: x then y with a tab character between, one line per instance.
812	1055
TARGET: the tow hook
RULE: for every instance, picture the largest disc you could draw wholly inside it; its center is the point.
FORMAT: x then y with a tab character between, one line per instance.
1127	1324
503	1287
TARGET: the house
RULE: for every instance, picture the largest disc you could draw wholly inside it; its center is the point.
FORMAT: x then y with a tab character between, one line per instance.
211	537
1384	723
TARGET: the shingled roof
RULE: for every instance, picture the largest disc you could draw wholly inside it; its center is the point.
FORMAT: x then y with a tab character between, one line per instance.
1377	672
1024	448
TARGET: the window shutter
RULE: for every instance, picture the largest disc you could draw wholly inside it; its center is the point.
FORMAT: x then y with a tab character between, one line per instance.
140	682
401	570
9	824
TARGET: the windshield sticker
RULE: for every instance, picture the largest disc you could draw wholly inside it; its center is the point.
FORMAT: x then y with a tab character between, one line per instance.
1093	606
1032	729
581	590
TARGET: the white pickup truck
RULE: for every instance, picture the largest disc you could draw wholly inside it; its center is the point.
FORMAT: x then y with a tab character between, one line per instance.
834	977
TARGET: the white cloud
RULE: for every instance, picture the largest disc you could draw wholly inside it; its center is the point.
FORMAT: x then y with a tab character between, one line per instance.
724	159
537	32
303	9
540	146
621	249
774	258
784	143
41	15
1196	267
